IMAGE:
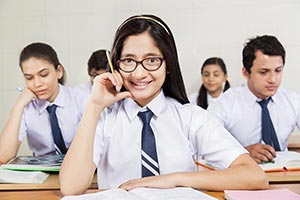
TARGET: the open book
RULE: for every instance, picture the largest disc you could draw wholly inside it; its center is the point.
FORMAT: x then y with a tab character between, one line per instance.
9	176
278	194
35	163
284	161
179	193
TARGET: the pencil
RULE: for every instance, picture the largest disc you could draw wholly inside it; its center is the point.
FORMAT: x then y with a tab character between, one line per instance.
109	62
204	165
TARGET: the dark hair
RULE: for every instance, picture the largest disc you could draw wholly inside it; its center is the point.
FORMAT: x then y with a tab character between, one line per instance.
267	44
42	51
161	34
202	96
97	61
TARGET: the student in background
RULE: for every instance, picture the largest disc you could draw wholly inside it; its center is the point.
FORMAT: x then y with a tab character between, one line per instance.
96	65
214	78
260	114
30	116
116	137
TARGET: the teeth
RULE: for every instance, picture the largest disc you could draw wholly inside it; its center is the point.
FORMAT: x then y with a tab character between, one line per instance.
141	84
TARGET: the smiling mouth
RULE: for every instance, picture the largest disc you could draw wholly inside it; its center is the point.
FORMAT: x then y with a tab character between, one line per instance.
140	84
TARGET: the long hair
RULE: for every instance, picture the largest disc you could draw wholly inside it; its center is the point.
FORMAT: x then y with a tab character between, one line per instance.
202	95
164	40
42	51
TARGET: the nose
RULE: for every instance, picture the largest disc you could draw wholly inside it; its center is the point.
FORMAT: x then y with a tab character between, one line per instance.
272	77
140	71
37	82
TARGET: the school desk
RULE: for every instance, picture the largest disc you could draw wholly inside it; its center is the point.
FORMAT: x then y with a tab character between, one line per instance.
56	195
50	183
294	142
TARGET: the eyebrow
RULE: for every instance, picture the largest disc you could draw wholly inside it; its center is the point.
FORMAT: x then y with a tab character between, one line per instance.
146	55
44	69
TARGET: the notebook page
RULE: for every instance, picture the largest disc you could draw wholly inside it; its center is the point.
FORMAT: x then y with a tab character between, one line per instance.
9	176
178	193
112	194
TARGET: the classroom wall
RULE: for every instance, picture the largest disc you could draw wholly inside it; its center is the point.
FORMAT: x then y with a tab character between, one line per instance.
202	28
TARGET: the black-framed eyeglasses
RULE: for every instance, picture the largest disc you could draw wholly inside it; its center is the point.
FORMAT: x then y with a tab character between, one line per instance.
150	64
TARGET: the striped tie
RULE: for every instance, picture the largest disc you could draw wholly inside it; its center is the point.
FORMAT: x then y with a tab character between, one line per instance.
59	144
149	156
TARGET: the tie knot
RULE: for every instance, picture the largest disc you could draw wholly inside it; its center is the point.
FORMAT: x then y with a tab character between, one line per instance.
264	103
51	109
146	116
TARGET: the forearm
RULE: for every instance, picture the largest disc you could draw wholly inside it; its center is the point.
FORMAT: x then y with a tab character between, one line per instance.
9	138
78	168
247	175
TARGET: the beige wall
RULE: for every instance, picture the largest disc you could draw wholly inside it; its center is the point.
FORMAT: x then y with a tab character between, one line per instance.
202	28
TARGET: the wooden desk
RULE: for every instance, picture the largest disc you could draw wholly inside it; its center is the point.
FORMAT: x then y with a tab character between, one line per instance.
51	183
56	195
294	142
283	177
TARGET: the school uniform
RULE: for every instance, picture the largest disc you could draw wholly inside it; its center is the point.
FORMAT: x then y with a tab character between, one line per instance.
35	123
240	113
193	98
183	133
86	87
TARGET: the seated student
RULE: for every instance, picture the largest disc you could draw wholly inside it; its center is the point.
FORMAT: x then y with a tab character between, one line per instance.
116	136
96	65
260	114
214	78
35	108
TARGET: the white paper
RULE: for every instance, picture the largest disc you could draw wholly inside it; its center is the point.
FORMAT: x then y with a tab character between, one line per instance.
178	193
10	176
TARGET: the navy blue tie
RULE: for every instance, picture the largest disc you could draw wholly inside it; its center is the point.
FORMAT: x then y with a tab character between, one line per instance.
59	144
268	132
150	165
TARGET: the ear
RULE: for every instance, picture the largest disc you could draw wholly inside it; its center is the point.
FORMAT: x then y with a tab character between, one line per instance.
245	73
60	71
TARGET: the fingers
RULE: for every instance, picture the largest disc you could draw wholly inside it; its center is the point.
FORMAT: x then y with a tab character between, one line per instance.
129	185
261	152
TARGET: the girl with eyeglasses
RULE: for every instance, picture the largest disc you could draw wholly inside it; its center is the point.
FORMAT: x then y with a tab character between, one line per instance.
146	79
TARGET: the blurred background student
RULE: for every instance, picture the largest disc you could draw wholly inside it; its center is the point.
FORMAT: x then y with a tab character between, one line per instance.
96	65
214	78
46	111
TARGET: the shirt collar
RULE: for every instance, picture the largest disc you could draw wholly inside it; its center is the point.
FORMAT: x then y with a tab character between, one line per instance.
59	100
156	106
251	99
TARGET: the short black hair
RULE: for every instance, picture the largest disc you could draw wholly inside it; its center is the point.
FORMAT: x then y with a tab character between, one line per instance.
97	61
267	44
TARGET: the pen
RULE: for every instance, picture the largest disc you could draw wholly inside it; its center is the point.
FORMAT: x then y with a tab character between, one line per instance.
19	89
109	62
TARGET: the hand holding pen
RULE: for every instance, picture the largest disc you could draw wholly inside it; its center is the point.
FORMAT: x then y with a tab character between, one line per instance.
107	87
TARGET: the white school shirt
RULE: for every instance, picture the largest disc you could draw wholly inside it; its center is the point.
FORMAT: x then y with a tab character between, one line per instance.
182	134
86	87
35	123
240	113
193	98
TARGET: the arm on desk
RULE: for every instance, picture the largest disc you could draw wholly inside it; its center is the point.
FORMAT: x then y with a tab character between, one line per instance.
77	169
243	173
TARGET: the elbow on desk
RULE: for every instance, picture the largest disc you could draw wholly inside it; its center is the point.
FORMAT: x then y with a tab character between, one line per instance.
69	187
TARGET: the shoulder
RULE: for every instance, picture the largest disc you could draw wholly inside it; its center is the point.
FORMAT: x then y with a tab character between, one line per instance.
73	94
286	95
187	112
193	98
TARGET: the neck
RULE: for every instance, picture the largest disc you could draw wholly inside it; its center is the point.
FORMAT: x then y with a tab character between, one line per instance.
215	94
